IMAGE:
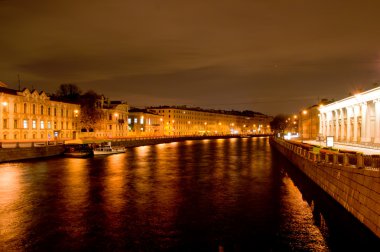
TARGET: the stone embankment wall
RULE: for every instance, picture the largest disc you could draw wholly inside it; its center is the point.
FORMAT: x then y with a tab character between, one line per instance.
353	180
22	151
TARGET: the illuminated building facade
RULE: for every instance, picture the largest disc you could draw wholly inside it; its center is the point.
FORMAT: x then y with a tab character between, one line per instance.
32	116
194	121
355	119
309	122
113	122
143	122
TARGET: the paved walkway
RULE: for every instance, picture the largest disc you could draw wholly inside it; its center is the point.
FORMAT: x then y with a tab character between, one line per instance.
364	149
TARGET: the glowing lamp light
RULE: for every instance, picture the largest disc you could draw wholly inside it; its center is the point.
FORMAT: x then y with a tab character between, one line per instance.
116	114
4	103
304	112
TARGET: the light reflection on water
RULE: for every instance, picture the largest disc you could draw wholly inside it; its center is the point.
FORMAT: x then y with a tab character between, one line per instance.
231	194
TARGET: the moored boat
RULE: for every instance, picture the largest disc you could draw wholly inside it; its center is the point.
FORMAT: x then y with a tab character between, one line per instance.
106	149
78	150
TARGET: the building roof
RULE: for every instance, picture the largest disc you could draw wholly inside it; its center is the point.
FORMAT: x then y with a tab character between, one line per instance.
8	90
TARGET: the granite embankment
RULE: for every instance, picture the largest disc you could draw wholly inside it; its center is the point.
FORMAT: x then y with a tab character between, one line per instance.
29	150
352	179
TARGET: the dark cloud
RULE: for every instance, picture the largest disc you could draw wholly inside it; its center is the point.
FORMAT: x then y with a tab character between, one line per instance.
271	56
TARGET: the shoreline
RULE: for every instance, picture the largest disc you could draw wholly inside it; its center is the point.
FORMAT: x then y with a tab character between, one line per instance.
28	151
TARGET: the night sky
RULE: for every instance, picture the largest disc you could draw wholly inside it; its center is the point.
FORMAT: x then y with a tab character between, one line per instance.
265	55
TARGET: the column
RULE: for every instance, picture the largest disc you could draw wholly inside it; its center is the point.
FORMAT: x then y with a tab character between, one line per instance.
348	124
377	120
322	119
356	112
365	123
336	125
328	116
342	126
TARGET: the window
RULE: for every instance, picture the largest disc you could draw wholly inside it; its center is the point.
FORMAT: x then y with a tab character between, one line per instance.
34	109
15	124
25	124
48	110
55	125
61	125
135	120
42	110
49	125
55	111
110	117
142	120
129	120
110	127
5	123
34	124
25	107
15	108
42	124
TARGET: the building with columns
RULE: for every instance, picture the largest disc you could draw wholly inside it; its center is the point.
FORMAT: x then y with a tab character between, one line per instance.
355	119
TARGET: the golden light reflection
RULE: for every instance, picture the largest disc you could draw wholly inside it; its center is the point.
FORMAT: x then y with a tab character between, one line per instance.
115	189
299	225
11	215
75	189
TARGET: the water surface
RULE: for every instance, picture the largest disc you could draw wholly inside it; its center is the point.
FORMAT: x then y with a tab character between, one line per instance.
207	195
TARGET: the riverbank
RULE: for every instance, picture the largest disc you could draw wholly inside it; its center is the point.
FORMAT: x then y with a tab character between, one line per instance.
353	180
29	150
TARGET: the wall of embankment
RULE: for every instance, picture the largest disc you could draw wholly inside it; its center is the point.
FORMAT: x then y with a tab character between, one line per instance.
350	179
22	153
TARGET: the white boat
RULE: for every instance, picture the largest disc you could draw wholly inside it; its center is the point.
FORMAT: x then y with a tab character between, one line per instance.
108	149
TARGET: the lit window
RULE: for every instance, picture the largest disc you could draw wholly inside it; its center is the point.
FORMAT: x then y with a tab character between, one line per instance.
129	120
42	124
142	120
49	125
25	124
135	120
34	124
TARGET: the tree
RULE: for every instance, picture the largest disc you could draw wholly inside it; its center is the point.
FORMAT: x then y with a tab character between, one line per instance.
279	124
90	114
68	93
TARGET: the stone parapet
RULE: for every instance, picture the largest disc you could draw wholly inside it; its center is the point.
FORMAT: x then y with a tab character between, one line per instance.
352	180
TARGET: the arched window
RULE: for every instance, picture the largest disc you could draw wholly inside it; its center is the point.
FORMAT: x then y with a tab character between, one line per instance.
42	109
34	109
25	107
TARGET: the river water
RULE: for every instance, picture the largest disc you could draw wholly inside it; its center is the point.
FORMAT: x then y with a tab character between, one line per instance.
206	195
